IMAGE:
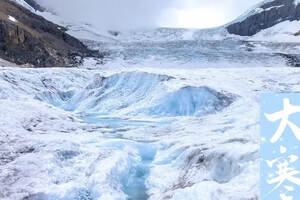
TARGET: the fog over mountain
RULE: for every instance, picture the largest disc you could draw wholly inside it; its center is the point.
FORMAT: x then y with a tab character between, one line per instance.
134	14
112	14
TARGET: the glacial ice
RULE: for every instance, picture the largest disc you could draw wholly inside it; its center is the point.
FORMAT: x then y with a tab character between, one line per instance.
136	93
190	101
154	122
112	168
134	133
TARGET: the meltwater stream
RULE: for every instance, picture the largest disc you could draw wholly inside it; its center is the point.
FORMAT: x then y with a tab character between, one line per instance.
135	184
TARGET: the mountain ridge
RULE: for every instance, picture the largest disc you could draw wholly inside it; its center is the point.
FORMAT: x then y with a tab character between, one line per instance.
265	15
26	38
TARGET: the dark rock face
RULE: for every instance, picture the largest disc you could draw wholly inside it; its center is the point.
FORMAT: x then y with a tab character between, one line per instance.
30	39
270	14
35	5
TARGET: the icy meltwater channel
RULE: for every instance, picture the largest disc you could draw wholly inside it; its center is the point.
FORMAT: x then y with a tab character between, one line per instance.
114	110
125	98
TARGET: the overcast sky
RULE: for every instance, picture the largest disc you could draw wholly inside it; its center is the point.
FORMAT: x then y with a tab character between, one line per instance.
133	14
207	13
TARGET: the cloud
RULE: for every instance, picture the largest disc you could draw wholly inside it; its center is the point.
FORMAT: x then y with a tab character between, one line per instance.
135	14
209	13
112	14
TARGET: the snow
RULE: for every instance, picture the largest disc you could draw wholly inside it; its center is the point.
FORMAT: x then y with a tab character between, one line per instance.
252	11
12	18
50	151
169	114
282	32
274	7
25	5
80	30
137	94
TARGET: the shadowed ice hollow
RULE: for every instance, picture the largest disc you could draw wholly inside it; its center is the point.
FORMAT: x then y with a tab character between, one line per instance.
137	93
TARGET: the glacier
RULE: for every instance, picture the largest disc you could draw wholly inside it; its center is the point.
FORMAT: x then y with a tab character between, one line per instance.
168	114
180	133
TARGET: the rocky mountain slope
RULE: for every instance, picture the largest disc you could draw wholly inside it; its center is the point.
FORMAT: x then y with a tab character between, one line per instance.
26	38
265	15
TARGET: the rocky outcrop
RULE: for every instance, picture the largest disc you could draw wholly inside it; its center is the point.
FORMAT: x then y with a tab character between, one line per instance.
265	15
26	38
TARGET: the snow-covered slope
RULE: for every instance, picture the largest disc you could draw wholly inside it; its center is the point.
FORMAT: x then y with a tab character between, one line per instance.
25	5
265	15
256	9
283	32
